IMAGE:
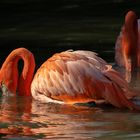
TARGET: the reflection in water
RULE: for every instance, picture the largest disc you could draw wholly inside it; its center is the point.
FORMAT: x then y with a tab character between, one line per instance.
26	118
14	115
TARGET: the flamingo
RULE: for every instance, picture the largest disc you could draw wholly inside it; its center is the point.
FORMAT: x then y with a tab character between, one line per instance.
67	77
127	47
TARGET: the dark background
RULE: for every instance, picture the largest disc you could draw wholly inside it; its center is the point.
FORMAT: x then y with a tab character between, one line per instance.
49	26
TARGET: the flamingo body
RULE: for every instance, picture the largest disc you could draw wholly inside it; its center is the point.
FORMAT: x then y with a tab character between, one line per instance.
79	76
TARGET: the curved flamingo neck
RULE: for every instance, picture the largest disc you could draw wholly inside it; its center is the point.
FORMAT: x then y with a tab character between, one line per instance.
130	41
9	72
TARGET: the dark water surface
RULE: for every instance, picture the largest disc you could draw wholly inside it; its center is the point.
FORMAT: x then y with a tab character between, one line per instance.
49	26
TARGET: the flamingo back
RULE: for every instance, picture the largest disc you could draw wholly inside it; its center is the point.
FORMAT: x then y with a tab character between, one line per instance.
68	76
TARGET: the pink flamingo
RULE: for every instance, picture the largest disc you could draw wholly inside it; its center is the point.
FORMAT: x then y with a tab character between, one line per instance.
67	77
127	46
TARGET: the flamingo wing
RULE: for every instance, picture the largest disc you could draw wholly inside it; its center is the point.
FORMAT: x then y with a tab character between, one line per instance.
79	76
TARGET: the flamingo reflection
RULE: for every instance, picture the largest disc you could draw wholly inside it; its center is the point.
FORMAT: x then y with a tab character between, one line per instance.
13	114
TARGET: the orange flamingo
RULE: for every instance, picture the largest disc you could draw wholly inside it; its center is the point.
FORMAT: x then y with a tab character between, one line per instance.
67	77
127	46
